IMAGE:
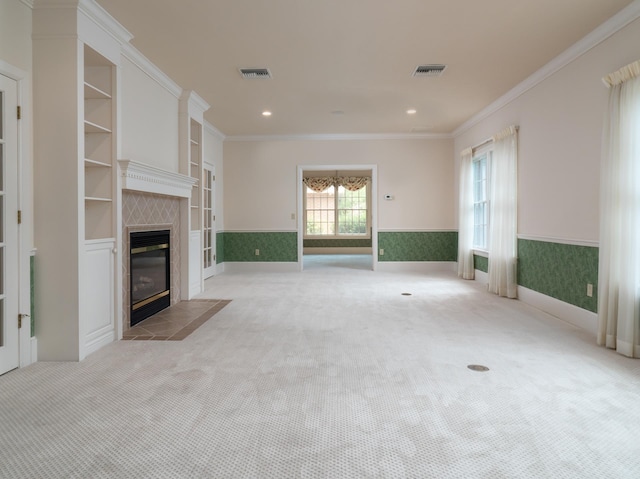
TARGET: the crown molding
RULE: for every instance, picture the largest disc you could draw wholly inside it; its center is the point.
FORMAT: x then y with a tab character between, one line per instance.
149	179
616	23
105	21
208	127
346	136
133	54
192	105
94	12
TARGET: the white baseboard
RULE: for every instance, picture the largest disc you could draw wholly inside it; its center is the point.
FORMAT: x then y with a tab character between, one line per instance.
34	350
98	342
567	312
333	250
415	266
261	267
195	288
481	277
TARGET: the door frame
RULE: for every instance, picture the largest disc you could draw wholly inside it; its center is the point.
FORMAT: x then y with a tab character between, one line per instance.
28	350
212	270
374	205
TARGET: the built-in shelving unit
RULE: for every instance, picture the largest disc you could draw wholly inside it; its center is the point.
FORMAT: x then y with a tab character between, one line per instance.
98	145
77	52
195	171
191	121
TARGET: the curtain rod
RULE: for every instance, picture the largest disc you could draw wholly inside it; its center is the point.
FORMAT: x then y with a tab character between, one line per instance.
489	140
482	143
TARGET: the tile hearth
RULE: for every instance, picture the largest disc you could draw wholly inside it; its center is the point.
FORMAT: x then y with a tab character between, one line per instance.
176	322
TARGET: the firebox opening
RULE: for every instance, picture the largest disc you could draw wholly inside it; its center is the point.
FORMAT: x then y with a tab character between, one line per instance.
150	273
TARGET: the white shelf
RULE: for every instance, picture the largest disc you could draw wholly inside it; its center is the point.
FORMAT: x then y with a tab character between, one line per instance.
98	200
90	127
194	142
92	92
95	164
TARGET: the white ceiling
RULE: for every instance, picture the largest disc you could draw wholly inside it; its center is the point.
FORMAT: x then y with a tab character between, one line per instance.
353	56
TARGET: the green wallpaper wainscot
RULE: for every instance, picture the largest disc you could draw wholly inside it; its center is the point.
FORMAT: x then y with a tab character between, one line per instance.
561	271
337	243
32	261
219	247
418	246
481	263
273	246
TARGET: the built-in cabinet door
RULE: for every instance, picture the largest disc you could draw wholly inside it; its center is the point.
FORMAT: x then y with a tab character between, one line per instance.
9	337
99	317
208	230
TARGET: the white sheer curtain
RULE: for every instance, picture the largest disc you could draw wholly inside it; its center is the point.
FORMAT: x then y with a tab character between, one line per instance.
619	261
503	207
465	216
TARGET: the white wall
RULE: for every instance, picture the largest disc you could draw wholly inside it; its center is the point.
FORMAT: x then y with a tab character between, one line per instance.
561	122
149	120
261	184
15	34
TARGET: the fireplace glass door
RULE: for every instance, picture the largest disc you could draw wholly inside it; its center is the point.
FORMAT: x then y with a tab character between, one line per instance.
150	274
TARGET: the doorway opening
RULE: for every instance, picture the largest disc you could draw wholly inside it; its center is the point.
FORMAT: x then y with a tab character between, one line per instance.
337	224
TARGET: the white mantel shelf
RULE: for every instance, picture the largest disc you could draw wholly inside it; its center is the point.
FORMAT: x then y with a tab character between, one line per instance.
149	179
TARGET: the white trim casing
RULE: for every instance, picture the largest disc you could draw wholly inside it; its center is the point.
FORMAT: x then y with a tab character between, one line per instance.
300	203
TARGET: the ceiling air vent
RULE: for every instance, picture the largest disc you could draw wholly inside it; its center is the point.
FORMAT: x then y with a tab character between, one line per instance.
429	70
255	73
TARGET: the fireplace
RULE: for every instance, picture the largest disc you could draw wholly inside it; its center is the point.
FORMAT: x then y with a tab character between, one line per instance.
150	278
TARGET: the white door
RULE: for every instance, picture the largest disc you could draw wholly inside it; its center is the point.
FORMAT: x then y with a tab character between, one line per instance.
9	351
209	230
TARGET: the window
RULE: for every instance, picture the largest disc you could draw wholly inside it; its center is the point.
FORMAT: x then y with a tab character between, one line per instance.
480	167
337	212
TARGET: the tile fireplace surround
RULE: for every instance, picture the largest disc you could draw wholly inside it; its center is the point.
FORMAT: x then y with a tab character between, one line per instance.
147	212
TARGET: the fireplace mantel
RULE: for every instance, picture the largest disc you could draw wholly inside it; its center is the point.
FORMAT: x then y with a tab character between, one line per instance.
149	179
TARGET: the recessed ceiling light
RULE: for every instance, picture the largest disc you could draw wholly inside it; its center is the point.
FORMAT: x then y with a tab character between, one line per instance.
411	111
337	112
266	113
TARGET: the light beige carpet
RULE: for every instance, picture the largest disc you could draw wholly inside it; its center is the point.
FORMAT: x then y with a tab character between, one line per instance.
333	373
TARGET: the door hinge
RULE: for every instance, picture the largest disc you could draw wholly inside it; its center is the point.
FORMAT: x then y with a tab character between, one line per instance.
20	317
214	257
19	217
213	177
214	217
19	112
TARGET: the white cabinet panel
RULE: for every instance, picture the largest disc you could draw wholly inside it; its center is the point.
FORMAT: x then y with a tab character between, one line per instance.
99	313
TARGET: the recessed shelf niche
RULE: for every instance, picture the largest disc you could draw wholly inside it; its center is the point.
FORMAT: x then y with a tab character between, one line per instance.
99	121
